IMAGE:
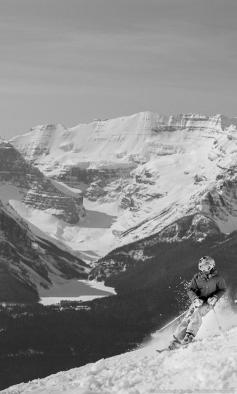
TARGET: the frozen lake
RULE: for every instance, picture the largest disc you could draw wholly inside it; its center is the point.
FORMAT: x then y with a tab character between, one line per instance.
75	290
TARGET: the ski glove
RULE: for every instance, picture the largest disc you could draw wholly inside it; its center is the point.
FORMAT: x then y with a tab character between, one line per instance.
212	301
197	303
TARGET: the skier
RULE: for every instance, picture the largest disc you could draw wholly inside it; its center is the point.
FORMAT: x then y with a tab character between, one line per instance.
205	289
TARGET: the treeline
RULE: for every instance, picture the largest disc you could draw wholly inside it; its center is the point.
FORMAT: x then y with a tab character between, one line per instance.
41	341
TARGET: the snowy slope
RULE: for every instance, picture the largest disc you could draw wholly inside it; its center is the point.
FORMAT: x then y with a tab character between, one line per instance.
207	365
138	173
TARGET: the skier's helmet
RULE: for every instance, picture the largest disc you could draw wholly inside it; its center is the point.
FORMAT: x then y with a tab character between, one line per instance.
206	264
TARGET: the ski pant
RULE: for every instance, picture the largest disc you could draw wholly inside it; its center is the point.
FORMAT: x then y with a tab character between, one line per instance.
192	321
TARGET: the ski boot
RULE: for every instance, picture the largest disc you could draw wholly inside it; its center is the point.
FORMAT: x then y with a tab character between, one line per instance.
189	337
175	344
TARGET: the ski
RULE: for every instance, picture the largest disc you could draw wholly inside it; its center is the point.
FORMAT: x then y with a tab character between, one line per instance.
181	346
166	349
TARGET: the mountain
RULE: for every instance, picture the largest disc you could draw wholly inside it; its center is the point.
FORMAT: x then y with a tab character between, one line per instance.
207	365
138	175
29	262
21	184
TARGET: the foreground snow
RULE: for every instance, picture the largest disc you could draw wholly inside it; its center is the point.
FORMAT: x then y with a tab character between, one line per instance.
207	365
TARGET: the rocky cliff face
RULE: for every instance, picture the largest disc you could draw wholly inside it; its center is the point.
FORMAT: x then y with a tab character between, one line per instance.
148	170
20	180
28	263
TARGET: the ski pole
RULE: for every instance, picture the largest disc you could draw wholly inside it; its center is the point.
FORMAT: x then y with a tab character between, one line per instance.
172	322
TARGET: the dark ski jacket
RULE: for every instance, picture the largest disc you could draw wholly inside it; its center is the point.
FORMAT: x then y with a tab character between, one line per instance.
204	286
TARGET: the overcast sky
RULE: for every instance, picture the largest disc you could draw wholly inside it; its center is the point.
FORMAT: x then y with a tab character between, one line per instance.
70	61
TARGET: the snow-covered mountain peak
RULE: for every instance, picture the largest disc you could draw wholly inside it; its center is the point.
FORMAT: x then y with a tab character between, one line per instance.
122	139
145	171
